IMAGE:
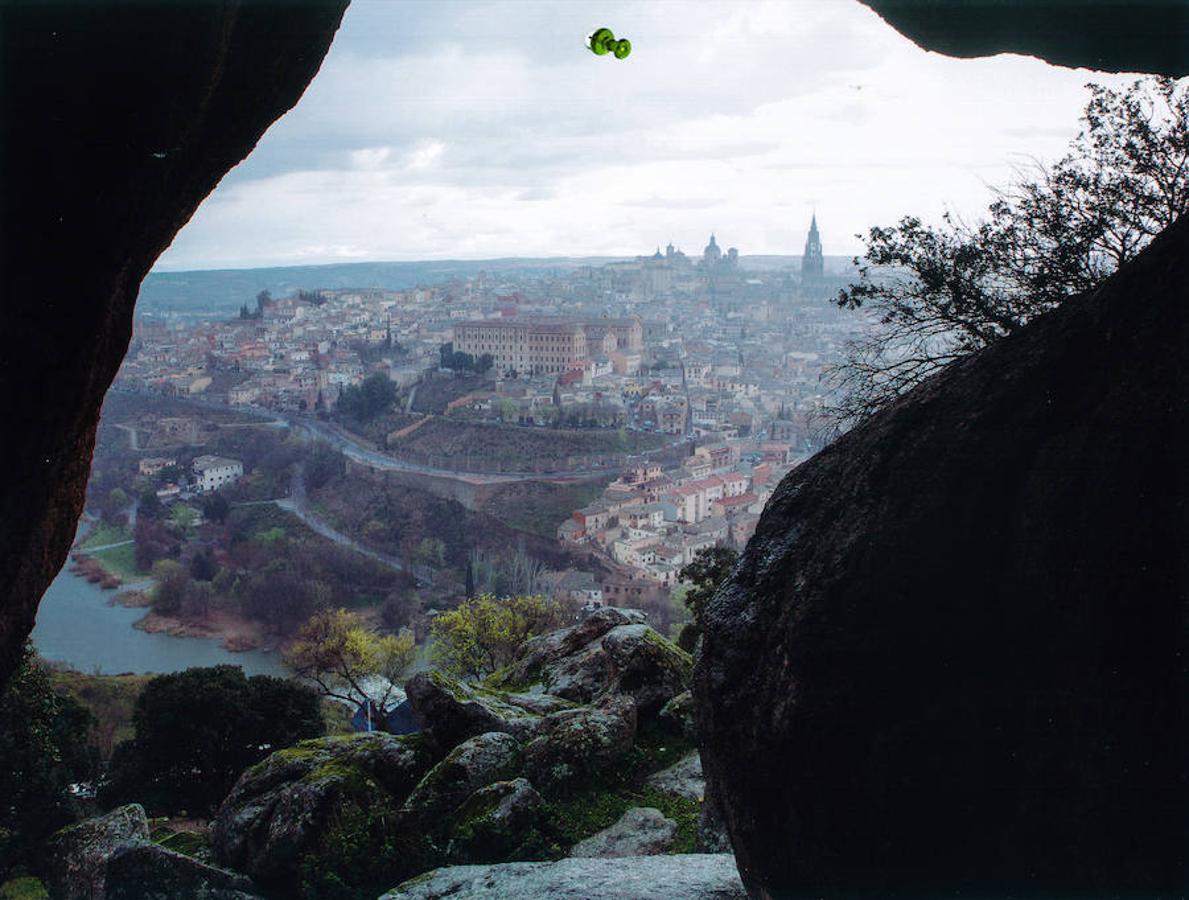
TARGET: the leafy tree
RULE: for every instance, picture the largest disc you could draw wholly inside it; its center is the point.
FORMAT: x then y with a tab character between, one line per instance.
197	730
114	505
203	566
470	580
936	294
42	751
150	506
708	570
182	517
364	401
173	582
483	633
339	652
215	507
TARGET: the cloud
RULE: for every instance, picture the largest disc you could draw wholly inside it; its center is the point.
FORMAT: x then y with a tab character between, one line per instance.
455	130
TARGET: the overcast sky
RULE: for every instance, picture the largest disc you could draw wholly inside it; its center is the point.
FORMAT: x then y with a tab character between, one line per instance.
471	130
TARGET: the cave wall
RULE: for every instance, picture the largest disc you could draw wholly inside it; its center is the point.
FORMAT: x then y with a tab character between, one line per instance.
1150	36
951	661
119	119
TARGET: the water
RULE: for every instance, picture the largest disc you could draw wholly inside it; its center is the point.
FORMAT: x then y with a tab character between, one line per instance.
76	626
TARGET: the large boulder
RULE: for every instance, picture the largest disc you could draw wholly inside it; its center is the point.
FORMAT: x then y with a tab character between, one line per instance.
473	764
641	831
111	857
580	742
951	659
452	711
307	804
690	876
610	652
497	822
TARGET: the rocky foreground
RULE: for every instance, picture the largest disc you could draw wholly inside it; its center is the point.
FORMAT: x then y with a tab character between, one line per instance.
571	773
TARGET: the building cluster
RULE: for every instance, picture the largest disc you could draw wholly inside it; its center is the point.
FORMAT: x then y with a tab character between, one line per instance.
721	353
653	521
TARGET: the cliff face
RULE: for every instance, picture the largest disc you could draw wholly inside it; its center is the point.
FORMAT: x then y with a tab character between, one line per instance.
120	118
951	659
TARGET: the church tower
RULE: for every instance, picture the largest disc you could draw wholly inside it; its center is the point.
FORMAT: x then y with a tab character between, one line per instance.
811	262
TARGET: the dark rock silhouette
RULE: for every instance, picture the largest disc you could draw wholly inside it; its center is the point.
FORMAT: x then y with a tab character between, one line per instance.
1109	35
950	662
122	118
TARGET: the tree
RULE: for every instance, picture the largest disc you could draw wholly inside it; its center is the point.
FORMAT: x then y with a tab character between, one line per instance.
173	581
373	396
215	507
708	570
340	653
936	294
197	730
203	566
483	633
42	751
470	580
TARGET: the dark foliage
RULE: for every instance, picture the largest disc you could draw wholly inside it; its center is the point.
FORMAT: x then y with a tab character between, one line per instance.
43	749
709	569
197	730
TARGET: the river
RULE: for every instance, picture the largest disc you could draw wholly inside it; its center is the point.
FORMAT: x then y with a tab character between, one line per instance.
77	626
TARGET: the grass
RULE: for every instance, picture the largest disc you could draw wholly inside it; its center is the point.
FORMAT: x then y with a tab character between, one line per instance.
106	534
121	561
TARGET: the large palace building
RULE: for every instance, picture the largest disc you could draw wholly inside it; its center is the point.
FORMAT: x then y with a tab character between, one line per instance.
544	345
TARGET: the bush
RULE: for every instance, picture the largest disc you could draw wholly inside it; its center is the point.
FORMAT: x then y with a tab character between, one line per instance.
197	730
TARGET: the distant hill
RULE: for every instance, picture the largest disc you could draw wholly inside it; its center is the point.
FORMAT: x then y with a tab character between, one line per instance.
218	292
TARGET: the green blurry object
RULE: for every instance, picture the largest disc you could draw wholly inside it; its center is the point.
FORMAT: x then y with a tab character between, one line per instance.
601	42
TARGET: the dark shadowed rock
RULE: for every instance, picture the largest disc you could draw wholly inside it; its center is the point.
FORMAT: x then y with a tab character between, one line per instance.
951	660
452	711
473	764
712	834
642	831
688	876
677	716
1136	36
610	652
495	822
111	858
580	742
286	809
132	113
684	778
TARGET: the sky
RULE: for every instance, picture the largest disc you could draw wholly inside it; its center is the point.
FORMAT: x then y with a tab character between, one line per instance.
473	130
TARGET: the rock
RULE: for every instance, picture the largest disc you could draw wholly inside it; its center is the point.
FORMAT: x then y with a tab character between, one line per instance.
712	830
683	778
951	652
689	876
145	871
473	764
642	831
496	822
291	807
112	858
111	207
452	711
677	716
580	742
610	652
77	855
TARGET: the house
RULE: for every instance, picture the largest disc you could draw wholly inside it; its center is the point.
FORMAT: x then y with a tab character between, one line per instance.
151	465
213	472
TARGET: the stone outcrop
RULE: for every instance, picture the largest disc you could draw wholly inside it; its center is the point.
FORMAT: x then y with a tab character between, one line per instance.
130	114
285	810
580	742
112	858
642	831
473	764
452	711
611	652
495	823
689	876
951	658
